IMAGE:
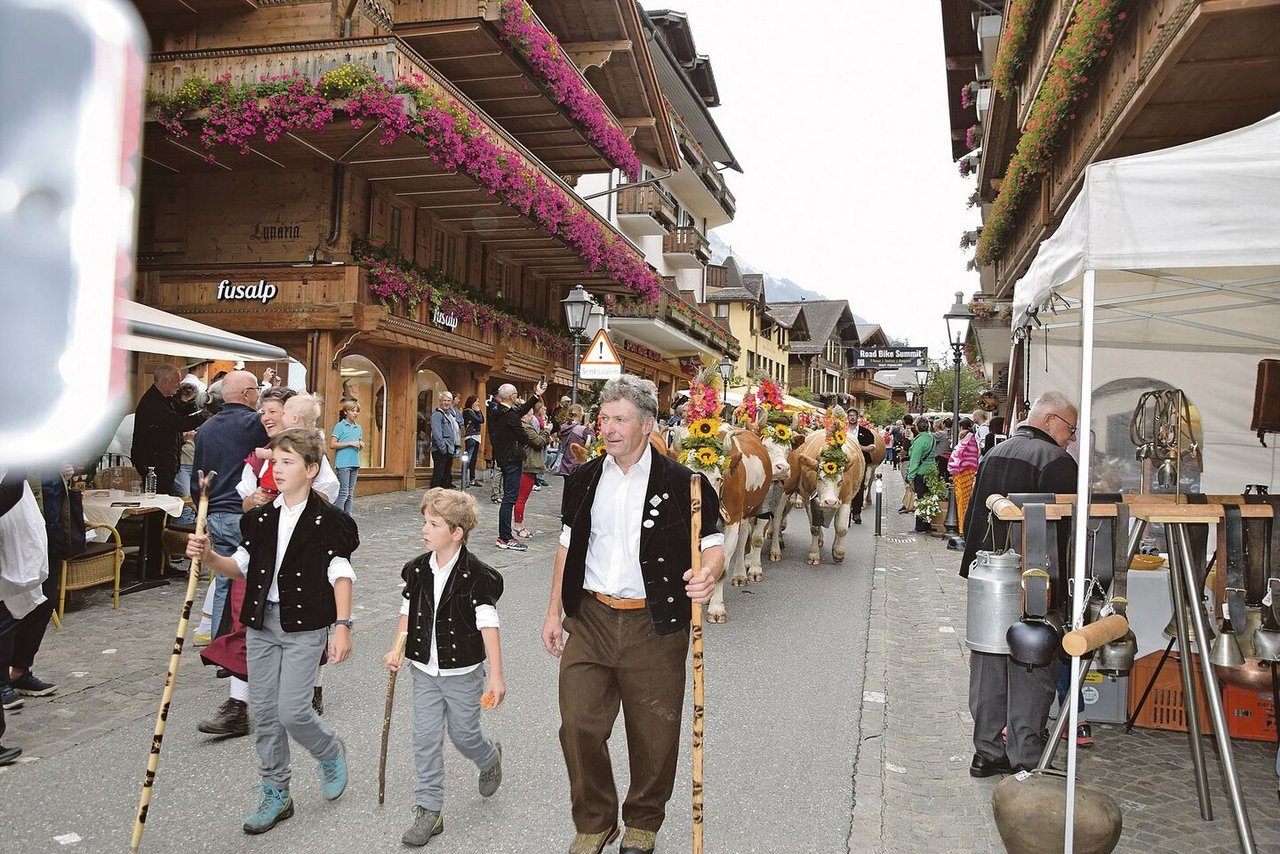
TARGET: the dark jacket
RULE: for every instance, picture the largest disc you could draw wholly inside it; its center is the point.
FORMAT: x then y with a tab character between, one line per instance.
1030	461
664	545
472	582
472	421
323	532
158	425
506	431
222	443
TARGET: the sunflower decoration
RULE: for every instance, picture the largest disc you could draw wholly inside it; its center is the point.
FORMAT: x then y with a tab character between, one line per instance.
597	447
832	462
780	433
704	428
837	437
708	457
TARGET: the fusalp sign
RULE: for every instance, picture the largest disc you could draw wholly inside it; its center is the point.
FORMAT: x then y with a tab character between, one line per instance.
262	291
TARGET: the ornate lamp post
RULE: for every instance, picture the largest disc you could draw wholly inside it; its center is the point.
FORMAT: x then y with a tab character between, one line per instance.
957	325
577	307
922	380
725	369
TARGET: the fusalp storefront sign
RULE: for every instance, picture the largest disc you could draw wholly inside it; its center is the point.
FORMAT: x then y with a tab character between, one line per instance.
262	291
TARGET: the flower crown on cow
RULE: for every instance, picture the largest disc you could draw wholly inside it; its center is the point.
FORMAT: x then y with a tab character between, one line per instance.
766	398
702	449
833	460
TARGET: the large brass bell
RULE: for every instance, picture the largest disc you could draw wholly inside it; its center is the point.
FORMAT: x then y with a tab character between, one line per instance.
1171	629
1250	673
1031	811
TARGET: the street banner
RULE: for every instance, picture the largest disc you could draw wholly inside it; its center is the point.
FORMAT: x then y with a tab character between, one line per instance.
888	358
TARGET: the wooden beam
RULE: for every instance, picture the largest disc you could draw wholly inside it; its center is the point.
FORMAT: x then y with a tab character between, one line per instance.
591	47
963	61
1231	62
638	122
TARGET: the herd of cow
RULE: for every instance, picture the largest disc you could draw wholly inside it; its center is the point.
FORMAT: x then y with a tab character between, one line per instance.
762	479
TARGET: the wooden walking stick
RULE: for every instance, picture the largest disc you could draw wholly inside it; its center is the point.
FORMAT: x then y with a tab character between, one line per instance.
695	628
193	580
386	719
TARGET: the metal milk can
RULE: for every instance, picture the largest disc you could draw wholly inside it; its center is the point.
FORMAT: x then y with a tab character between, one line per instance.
995	600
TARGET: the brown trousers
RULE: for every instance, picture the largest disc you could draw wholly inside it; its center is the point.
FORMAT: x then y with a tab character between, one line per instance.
615	658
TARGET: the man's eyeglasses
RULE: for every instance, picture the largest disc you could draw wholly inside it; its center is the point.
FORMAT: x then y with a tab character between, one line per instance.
1070	426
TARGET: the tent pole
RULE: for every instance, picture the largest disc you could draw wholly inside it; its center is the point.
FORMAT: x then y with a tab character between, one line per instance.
1084	438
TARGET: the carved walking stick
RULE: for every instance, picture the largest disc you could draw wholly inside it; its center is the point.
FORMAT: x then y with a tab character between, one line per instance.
193	581
386	719
695	628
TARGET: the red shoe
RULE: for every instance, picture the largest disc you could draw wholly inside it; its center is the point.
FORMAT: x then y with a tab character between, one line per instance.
1084	735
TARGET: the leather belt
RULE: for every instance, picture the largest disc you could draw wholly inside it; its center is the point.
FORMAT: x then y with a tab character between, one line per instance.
1036	590
619	604
1270	560
1234	524
1120	553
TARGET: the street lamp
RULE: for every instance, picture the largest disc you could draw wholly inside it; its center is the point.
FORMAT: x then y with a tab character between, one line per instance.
922	380
726	373
577	307
957	325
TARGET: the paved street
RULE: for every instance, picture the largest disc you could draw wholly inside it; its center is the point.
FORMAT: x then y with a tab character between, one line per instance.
836	721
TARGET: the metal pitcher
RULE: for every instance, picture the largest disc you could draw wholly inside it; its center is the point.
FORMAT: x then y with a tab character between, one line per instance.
995	600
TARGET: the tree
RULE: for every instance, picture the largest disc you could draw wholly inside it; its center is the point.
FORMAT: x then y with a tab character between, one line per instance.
938	393
885	412
803	392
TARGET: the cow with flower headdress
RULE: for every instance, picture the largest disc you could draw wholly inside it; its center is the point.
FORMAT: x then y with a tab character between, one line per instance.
826	473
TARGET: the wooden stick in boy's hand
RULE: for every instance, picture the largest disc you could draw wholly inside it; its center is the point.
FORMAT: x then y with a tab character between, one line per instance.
392	660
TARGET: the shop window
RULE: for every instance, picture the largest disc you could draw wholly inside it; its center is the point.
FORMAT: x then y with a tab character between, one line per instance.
362	381
429	386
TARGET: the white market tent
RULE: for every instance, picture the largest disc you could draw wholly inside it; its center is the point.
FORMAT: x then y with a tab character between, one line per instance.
1166	267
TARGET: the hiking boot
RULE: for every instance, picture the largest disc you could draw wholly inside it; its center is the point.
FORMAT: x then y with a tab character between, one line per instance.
426	824
333	774
636	841
317	700
491	777
29	685
592	843
231	720
274	806
8	697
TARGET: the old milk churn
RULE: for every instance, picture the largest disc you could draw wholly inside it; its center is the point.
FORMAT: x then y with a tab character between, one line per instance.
995	600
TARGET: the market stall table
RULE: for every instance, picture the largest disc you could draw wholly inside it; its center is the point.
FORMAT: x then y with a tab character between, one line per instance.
108	506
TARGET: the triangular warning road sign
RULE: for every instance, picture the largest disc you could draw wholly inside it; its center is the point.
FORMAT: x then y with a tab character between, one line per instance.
601	351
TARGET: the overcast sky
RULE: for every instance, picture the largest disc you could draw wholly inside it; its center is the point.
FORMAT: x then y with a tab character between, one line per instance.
838	114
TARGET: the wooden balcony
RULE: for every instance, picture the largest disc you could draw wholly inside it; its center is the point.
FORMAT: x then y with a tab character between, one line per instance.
646	210
678	321
686	247
716	276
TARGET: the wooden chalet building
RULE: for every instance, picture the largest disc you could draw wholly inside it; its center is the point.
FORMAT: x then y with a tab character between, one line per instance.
819	357
765	339
1151	75
426	245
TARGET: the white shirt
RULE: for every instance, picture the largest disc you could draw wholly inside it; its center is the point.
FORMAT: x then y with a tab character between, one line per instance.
326	482
486	618
24	545
339	567
613	550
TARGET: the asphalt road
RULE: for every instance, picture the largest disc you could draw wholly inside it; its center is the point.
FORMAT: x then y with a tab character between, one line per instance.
784	682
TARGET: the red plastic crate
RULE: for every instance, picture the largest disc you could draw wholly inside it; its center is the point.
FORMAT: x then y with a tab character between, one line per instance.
1250	714
1165	708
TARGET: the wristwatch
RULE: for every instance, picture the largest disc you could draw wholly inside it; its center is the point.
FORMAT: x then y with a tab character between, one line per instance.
348	623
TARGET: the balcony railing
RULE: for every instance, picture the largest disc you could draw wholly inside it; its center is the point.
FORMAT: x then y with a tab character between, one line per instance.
676	312
648	200
687	240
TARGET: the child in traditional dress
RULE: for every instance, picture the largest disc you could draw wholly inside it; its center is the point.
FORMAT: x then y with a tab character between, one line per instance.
449	593
292	598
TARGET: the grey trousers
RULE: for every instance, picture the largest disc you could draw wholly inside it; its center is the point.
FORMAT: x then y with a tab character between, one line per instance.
437	701
282	673
1003	694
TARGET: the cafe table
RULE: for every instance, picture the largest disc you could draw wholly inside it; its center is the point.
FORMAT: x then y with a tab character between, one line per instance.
108	506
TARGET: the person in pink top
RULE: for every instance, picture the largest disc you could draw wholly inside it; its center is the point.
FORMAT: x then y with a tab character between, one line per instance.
963	466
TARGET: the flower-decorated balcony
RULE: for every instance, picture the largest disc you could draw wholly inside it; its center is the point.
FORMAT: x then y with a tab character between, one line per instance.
671	326
507	62
645	210
372	109
686	247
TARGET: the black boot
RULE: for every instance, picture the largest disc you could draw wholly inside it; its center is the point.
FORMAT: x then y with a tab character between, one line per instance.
317	699
231	720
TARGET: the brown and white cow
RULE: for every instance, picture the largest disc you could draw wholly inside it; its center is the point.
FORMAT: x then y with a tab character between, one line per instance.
742	489
826	494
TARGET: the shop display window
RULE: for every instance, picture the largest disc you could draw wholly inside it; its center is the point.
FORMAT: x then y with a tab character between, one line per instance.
362	380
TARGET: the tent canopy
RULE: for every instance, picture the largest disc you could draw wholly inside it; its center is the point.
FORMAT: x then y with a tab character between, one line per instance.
1185	252
150	330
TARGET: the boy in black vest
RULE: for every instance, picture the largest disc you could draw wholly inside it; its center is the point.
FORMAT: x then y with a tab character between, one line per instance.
296	588
451	594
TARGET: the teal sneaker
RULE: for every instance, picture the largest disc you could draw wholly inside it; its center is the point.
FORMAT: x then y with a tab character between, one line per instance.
274	806
333	774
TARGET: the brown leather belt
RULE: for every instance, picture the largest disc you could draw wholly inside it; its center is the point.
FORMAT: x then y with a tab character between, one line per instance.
619	604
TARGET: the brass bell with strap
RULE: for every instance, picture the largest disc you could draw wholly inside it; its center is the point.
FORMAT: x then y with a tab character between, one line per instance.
1035	639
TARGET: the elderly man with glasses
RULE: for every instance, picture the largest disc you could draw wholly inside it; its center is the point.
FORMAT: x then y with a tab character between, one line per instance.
222	443
1004	695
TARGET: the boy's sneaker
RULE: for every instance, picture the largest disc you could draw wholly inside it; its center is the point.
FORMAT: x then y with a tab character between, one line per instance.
274	806
491	777
29	685
426	824
8	697
1084	735
333	774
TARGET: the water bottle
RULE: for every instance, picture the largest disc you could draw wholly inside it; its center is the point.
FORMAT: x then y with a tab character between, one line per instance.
150	487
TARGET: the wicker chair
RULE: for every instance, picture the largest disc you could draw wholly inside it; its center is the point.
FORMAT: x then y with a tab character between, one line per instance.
98	564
